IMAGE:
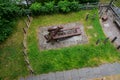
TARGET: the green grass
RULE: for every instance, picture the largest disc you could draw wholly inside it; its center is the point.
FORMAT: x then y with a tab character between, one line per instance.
12	63
105	1
117	2
79	56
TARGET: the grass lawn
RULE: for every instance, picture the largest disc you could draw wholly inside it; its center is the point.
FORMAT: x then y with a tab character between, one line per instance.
79	56
12	63
105	1
117	2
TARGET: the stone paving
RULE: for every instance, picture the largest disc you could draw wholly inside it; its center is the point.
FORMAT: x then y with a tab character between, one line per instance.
110	29
79	74
75	40
112	77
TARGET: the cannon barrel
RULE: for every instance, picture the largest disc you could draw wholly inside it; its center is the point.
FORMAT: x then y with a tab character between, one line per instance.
54	28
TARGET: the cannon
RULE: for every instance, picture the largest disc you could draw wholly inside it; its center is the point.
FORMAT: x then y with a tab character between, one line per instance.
104	18
59	32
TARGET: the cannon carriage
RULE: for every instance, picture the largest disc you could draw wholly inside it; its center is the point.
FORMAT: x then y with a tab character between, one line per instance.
59	32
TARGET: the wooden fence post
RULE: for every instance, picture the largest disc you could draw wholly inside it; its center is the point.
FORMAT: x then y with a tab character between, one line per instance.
31	70
100	10
101	14
27	61
87	16
87	6
28	18
98	41
24	30
26	24
118	47
114	39
105	41
25	53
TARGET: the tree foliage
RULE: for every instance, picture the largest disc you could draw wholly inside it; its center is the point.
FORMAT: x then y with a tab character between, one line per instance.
35	8
74	6
49	7
8	12
38	8
56	1
64	6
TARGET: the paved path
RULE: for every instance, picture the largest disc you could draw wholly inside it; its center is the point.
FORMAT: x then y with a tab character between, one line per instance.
79	74
110	29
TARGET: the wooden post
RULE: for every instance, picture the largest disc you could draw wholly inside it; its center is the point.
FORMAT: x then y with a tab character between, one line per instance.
100	10
31	70
99	5
118	47
87	5
87	16
26	24
25	53
105	41
24	30
109	5
27	61
101	14
28	18
98	41
114	39
24	44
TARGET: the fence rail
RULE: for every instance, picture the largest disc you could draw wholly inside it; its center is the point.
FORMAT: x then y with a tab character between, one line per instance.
115	13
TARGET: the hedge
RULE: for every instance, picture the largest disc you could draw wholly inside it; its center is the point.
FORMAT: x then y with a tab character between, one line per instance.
8	13
62	7
79	1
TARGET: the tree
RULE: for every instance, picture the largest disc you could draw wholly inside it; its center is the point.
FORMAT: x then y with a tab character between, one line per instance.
8	13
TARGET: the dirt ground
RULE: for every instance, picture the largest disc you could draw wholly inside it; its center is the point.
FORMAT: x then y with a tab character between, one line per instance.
75	40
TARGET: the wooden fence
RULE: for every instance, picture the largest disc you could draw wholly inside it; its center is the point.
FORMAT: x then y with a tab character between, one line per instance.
25	53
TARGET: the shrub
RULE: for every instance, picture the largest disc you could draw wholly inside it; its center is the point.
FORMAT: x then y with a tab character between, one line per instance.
49	7
57	1
35	8
90	1
11	10
6	28
64	6
7	19
74	6
56	9
43	10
